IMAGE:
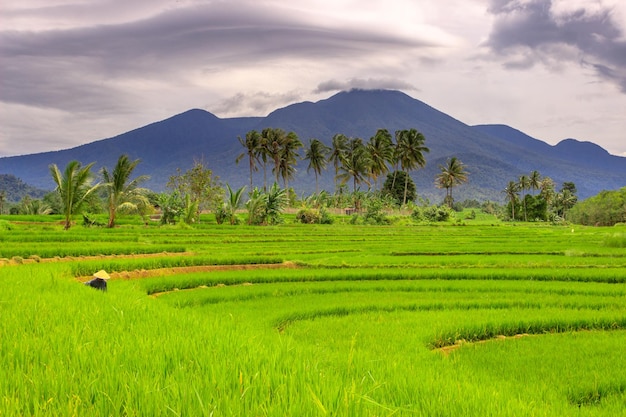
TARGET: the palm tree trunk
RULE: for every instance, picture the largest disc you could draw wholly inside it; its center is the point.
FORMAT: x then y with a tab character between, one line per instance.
406	186
317	190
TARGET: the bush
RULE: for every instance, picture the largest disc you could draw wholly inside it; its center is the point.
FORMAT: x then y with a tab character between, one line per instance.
220	215
417	214
374	213
438	213
308	216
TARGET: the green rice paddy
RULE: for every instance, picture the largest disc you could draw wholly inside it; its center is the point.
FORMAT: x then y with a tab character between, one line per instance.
301	320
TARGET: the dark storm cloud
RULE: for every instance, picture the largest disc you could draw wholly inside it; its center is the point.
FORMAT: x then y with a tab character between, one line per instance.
368	84
530	32
65	68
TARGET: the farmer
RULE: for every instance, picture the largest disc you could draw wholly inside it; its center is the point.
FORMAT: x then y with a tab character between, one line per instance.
99	280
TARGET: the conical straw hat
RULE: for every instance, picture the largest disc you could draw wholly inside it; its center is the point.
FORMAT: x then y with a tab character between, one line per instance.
101	274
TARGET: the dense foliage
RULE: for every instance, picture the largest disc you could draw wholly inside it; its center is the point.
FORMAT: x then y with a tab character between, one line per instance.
605	209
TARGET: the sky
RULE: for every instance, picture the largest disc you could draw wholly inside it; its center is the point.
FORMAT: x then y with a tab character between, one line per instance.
76	71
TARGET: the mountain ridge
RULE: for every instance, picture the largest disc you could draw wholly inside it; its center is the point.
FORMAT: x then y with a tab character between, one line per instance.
494	154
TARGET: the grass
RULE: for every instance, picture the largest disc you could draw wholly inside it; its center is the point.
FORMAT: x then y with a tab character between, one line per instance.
351	325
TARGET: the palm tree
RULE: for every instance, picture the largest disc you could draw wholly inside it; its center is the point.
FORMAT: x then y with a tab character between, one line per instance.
564	201
289	158
275	139
546	190
511	191
122	193
316	154
411	151
380	149
73	186
252	144
524	184
264	151
2	198
451	175
355	163
338	149
534	181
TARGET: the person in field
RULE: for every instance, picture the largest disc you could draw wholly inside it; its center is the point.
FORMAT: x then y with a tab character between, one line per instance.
99	280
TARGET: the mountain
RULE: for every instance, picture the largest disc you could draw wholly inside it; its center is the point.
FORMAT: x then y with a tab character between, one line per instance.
14	189
493	154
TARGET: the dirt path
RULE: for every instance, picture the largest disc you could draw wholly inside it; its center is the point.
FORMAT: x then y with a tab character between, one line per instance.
447	349
147	273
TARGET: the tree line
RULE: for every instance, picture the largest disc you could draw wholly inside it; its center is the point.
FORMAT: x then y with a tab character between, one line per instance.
353	160
543	202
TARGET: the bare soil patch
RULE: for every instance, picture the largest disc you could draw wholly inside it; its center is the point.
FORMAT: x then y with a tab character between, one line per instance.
447	349
147	273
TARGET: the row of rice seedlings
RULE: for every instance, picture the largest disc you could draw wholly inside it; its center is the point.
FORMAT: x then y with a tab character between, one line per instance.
87	267
568	295
194	280
83	249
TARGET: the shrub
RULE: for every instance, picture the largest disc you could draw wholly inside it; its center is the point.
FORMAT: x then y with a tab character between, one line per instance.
417	214
308	216
438	213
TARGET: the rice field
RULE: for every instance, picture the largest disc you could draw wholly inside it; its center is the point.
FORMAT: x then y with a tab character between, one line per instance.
338	320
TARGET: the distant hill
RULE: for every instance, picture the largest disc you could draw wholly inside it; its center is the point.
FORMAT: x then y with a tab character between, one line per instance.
494	154
15	189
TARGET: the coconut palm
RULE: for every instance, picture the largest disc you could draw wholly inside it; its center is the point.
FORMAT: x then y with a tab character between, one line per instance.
523	185
264	152
411	151
338	149
355	164
534	181
511	191
252	144
451	175
316	153
120	192
380	149
275	139
289	146
73	186
546	190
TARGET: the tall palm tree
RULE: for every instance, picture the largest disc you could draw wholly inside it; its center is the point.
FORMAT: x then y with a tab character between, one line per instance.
338	149
73	186
275	138
524	184
534	181
546	190
411	151
355	163
289	158
451	175
120	192
511	191
380	149
316	153
264	152
252	144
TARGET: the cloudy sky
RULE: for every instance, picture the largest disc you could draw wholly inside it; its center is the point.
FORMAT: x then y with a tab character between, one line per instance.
75	71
